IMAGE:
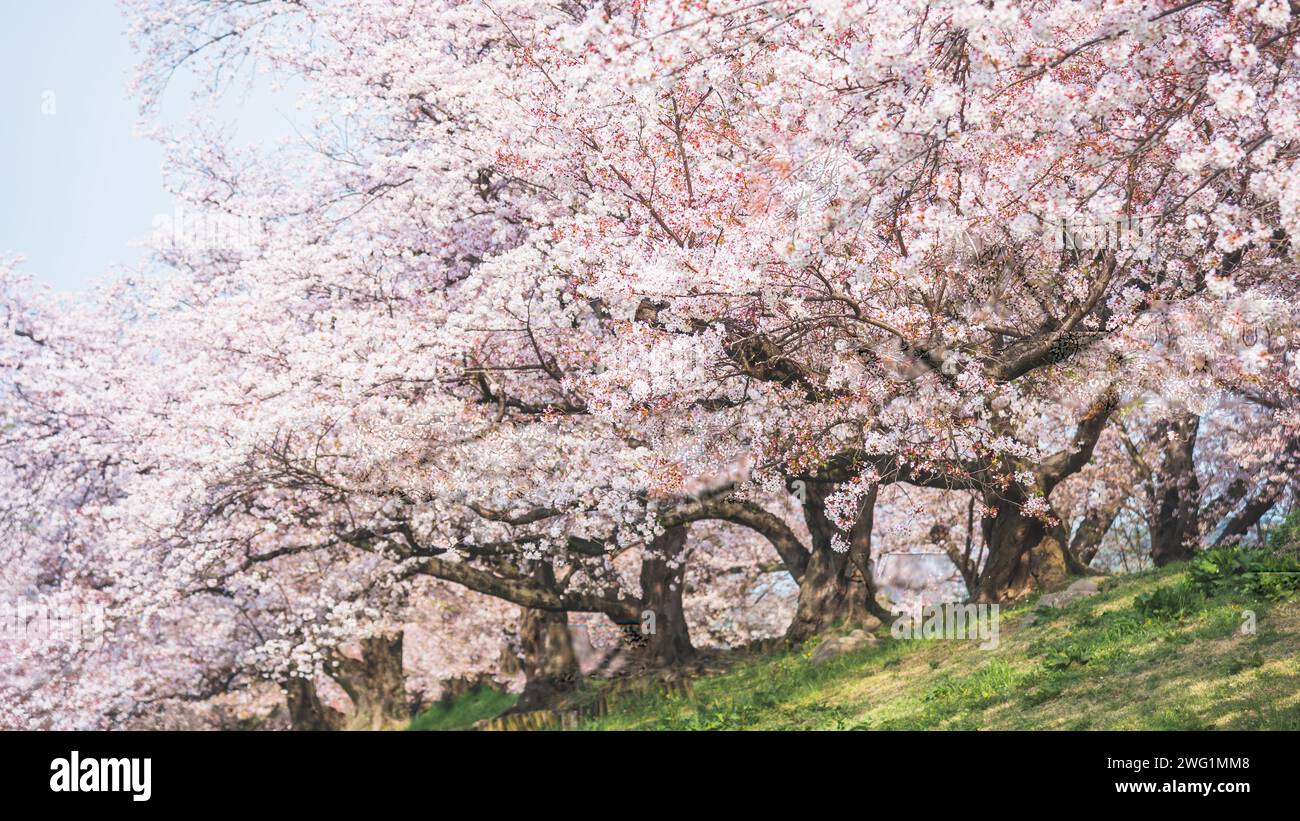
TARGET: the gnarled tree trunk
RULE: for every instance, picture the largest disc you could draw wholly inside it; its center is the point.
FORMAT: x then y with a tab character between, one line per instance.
376	684
1047	564
549	662
1009	538
306	712
1024	552
1050	561
837	588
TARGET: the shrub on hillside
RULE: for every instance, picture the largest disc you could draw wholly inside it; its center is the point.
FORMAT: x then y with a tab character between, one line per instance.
1257	572
1170	602
1285	539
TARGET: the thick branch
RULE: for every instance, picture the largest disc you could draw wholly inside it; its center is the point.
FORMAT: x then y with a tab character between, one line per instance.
771	527
526	593
1071	460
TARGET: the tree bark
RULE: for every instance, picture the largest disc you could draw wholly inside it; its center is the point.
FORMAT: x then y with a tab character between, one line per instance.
837	588
306	712
1024	552
376	683
549	662
1175	527
1050	561
1009	536
662	586
1093	529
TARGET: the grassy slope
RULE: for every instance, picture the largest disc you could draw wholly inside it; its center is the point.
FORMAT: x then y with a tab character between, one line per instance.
1097	664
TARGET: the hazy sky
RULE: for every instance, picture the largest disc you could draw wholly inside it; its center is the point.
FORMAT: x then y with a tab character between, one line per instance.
76	187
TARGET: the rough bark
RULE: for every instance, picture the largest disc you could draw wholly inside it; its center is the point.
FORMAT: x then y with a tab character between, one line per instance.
837	588
1023	552
1050	561
1009	537
306	712
1096	523
662	586
1024	555
376	684
1176	493
549	663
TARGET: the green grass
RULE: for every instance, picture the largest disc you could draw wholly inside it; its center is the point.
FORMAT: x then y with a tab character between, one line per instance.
1170	661
461	713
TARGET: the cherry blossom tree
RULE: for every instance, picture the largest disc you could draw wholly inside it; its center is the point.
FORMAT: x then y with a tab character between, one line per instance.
627	307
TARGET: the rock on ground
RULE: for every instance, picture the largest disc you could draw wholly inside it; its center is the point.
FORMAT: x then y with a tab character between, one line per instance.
839	645
1080	589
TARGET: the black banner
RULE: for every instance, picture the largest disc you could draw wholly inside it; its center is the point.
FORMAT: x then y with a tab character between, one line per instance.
218	772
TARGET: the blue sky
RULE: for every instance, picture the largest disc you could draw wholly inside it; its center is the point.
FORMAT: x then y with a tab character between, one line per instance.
76	187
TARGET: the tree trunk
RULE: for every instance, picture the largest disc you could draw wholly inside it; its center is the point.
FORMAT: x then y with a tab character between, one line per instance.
1260	502
306	712
662	572
1092	530
376	683
837	588
1009	538
1175	529
1024	554
1051	562
549	662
